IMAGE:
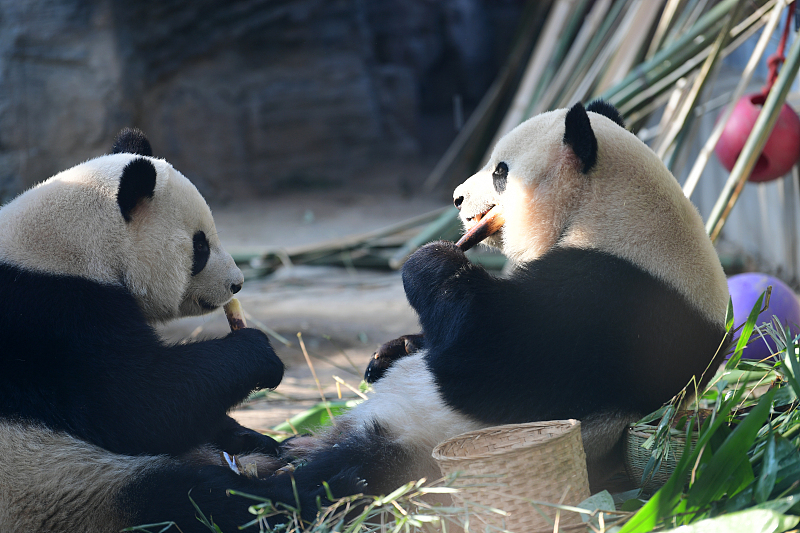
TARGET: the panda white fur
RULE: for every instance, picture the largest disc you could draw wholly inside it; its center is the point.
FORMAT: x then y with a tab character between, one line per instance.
102	425
618	300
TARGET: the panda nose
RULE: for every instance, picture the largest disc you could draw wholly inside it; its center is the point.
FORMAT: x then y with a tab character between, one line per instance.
458	201
236	287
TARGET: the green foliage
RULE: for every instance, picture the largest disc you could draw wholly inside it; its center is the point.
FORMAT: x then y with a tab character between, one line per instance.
318	416
744	469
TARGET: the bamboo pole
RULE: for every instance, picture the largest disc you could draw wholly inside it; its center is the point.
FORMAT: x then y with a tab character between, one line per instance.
611	47
664	23
755	142
578	49
673	56
643	17
740	33
747	74
558	17
566	41
680	120
612	18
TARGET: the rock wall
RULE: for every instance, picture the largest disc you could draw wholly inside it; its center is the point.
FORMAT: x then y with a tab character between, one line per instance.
250	95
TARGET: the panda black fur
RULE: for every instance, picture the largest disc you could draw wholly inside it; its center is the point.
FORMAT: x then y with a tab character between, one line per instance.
618	300
102	425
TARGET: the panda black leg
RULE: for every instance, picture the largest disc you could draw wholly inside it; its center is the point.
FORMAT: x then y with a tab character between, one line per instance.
171	494
237	439
390	352
603	438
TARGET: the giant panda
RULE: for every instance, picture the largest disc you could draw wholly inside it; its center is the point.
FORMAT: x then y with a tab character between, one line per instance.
618	300
102	425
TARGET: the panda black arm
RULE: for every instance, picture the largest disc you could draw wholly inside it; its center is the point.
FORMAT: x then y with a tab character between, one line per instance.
176	397
83	360
440	284
573	333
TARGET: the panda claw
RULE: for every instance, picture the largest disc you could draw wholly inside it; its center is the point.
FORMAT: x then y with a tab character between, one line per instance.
390	352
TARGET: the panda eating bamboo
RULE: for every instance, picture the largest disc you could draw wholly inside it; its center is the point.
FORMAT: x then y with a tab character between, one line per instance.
617	302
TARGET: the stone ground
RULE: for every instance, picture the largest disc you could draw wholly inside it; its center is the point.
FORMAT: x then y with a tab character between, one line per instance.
342	314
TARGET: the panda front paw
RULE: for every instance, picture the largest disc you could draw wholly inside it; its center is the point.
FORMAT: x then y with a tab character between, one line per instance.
429	268
390	352
247	440
269	368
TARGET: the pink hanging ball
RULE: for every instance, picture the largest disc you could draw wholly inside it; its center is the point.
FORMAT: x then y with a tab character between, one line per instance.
783	146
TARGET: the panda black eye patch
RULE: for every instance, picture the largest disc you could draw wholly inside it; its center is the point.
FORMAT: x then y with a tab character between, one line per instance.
500	177
201	252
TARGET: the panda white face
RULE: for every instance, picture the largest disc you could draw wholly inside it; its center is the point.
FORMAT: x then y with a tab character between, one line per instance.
129	220
525	180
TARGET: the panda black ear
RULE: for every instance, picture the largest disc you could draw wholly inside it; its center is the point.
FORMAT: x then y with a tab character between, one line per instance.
579	136
138	181
601	107
132	141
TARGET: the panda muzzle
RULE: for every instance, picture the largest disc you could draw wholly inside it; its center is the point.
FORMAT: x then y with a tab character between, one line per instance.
487	224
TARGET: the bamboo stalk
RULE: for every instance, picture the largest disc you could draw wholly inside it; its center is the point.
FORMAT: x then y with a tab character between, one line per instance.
679	122
740	32
613	45
578	49
643	15
747	74
690	16
611	21
667	17
755	142
556	20
556	59
672	57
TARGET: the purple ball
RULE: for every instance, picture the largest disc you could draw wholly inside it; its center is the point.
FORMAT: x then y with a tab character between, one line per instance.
783	303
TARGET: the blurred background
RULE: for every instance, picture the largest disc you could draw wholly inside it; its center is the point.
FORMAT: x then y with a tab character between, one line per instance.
247	97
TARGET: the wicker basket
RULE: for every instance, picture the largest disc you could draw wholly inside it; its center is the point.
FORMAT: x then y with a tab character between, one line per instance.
536	461
637	457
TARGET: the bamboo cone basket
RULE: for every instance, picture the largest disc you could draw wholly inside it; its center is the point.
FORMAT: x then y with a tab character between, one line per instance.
637	457
504	467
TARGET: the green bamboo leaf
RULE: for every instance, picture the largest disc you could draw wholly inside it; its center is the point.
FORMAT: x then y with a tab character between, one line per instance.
792	357
742	500
788	465
648	468
713	482
749	521
769	470
744	336
654	415
729	316
781	505
667	500
315	417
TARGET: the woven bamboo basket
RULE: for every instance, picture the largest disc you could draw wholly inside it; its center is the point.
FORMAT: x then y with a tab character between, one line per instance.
504	466
637	457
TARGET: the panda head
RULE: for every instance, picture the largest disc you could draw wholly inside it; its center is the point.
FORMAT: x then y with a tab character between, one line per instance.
577	178
124	219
